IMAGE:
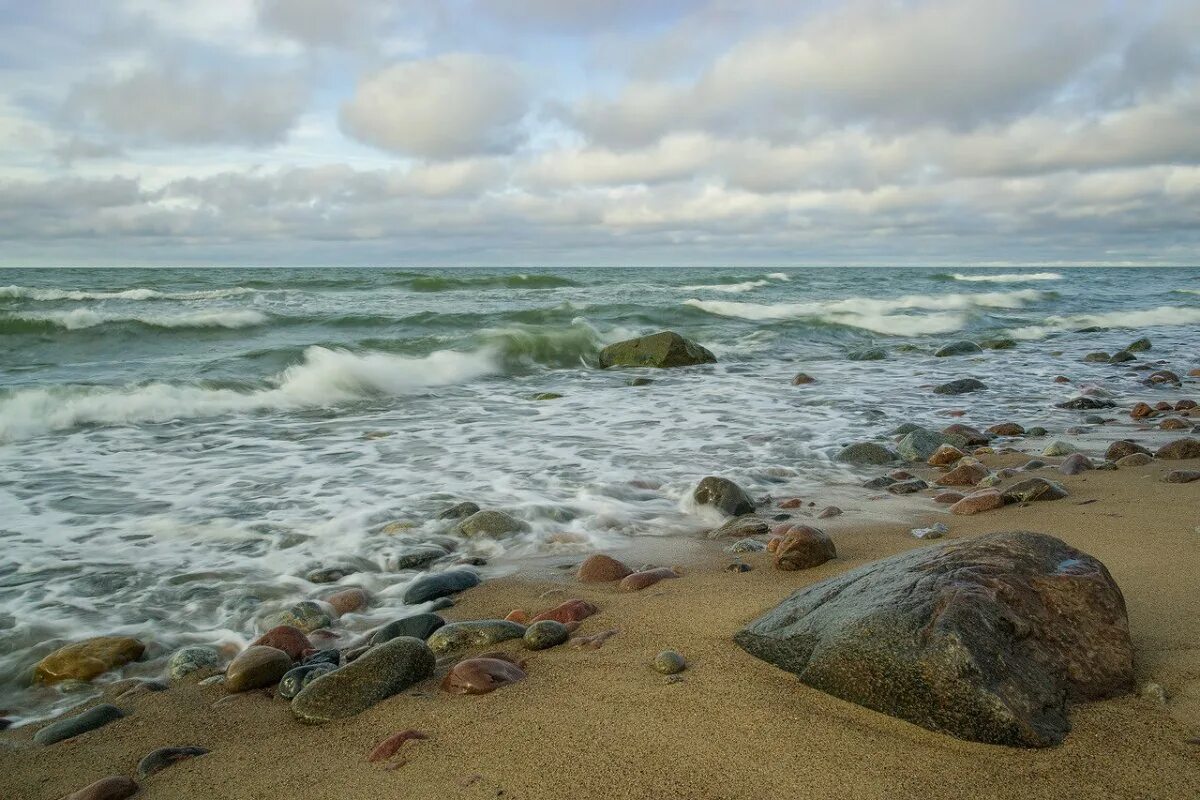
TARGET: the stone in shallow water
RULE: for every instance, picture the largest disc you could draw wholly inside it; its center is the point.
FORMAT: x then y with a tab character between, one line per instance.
163	757
494	524
481	675
724	495
287	638
921	444
474	633
662	350
866	453
417	557
196	661
460	511
960	386
985	639
307	616
440	584
959	348
348	601
1085	404
90	720
381	672
88	659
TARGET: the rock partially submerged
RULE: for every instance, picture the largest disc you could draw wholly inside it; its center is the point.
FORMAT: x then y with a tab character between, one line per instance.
985	639
724	495
662	350
866	453
88	659
960	386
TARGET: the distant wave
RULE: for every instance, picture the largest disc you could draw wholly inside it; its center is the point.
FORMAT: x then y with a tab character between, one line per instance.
84	318
1186	291
1163	315
325	377
1010	277
442	283
878	316
48	295
737	287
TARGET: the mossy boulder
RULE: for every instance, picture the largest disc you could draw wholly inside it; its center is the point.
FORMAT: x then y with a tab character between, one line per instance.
660	350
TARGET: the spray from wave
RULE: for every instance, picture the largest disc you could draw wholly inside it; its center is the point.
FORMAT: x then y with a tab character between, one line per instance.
51	295
83	318
1163	315
1011	277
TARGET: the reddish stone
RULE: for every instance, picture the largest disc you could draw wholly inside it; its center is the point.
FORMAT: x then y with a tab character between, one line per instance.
1062	379
1163	405
114	787
948	497
481	675
290	640
802	379
569	611
974	436
1007	429
518	615
1194	373
945	455
1141	411
388	747
802	547
600	568
974	503
348	601
646	578
967	474
792	502
1179	449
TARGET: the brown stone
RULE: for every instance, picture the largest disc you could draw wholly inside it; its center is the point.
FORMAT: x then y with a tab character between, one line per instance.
974	436
773	543
114	787
948	497
600	568
1163	405
256	667
1062	379
803	546
1141	411
1135	460
1162	376
568	611
481	675
1179	449
1186	404
803	379
1075	464
976	502
1119	449
646	578
968	474
290	640
388	747
829	512
945	455
1007	429
82	661
1173	424
792	502
348	601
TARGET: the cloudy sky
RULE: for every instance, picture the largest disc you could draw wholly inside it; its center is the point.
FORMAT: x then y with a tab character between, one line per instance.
544	132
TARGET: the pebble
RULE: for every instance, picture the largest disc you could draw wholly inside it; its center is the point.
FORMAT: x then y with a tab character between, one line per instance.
948	497
1075	464
1059	448
287	638
737	566
381	672
1182	476
908	487
419	626
1007	429
568	611
601	568
977	502
348	601
546	633
388	747
945	455
297	678
88	659
490	524
646	578
966	473
90	720
163	757
830	511
256	667
481	675
802	547
669	662
306	616
331	656
187	661
114	787
935	531
746	546
440	584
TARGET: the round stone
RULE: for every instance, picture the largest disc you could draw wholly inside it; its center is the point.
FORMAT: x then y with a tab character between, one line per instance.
545	634
669	662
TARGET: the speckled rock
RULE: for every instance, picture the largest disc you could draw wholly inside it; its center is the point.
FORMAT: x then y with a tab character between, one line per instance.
381	672
921	444
1179	449
193	663
646	578
1119	449
307	616
544	634
669	662
803	379
493	524
348	601
866	453
1034	490
287	638
82	661
297	678
418	557
910	486
456	636
600	568
1059	448
747	546
256	667
1134	460
1075	464
966	473
960	386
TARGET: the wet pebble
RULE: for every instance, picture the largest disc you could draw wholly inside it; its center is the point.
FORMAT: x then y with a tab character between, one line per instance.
601	568
90	720
935	531
306	616
481	675
256	667
287	638
297	678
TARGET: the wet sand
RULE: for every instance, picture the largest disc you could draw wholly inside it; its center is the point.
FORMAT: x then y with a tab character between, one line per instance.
602	724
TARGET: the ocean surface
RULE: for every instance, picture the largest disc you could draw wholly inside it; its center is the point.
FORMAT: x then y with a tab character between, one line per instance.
179	447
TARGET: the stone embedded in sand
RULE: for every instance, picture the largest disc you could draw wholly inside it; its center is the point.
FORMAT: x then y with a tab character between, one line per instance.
970	437
545	633
740	528
646	578
481	675
575	610
493	524
82	661
474	633
866	453
1007	429
256	667
945	455
287	638
440	584
985	639
960	386
977	502
1179	449
966	473
388	747
724	495
348	601
297	678
669	662
595	641
803	379
746	546
830	511
910	486
197	661
114	787
1034	490
948	497
599	568
802	547
1182	476
163	757
1135	460
1119	449
381	672
1075	464
1059	448
95	717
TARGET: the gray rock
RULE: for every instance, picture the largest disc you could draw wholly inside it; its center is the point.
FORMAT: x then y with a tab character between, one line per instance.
934	531
985	639
872	354
90	720
960	386
920	444
545	634
741	528
418	626
661	350
1097	358
1085	404
1036	431
866	453
669	662
1075	464
1002	343
904	429
746	546
460	511
1059	448
297	678
1034	489
910	486
439	584
882	482
1121	357
381	672
418	557
196	661
723	494
960	348
1182	476
163	757
475	633
494	524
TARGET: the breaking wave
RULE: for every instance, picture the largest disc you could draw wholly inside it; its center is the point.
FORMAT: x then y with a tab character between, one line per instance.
1010	277
50	295
1163	315
736	286
84	318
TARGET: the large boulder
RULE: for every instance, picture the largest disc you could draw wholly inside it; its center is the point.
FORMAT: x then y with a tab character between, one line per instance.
985	639
665	349
723	494
384	670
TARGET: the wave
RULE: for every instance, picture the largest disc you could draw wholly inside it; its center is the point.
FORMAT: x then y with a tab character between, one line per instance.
735	286
1010	277
325	377
878	316
433	283
84	318
50	295
1163	315
1186	291
520	345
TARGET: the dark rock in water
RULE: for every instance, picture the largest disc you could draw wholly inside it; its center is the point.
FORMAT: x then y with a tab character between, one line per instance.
882	482
287	638
475	633
460	511
960	348
256	667
297	678
661	350
1075	464
872	354
1162	376
1182	476
1097	358
381	672
904	429
1034	489
1007	429
803	379
863	453
1140	346
985	639
545	634
90	720
669	662
481	675
197	661
329	574
547	396
439	584
418	557
418	626
1032	464
802	547
998	344
1178	449
1036	431
1085	404
910	486
163	757
741	528
960	386
491	523
307	616
114	787
1121	356
723	494
968	435
331	656
639	381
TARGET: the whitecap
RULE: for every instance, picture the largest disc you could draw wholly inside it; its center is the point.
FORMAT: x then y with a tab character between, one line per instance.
1163	315
1011	277
83	318
50	295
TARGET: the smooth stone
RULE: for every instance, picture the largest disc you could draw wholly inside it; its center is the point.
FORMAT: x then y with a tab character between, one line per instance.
866	453
965	473
986	639
960	386
1085	404
187	661
871	354
297	678
306	616
87	659
1119	449
481	675
163	757
287	638
1059	448
1134	460
1179	449
803	379
803	547
646	578
90	720
114	787
418	557
832	511
1034	490
456	636
948	497
418	626
944	456
1075	464
904	429
494	524
747	546
724	495
439	584
740	528
329	574
574	610
256	667
1007	429
545	633
331	656
1098	357
959	348
600	568
1122	356
348	601
1036	431
882	482
978	502
1140	346
1182	476
379	673
669	662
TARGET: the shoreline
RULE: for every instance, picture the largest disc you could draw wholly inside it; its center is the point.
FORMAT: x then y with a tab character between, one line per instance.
602	723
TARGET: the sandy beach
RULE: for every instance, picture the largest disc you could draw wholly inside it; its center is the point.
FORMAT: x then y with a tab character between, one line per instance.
602	724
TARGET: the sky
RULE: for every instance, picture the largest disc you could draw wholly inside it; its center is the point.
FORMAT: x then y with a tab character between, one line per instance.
575	132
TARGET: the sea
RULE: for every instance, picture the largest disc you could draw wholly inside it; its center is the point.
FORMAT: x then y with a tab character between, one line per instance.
179	448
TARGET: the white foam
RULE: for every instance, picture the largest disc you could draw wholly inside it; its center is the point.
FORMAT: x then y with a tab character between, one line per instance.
779	276
1187	291
1013	277
48	295
325	377
1163	315
728	288
83	318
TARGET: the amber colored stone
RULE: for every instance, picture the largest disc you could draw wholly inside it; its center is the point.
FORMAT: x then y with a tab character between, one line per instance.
85	660
348	601
976	502
804	546
600	568
518	615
